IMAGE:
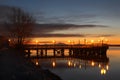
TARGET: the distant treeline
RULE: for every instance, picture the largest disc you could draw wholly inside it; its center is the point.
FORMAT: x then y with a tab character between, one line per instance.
115	45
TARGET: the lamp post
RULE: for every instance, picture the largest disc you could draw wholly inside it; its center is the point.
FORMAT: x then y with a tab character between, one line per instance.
69	41
102	39
70	49
53	42
84	41
79	42
98	41
54	47
37	47
73	42
36	41
106	40
92	42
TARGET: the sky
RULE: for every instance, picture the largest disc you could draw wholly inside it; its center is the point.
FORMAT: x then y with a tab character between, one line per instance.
63	20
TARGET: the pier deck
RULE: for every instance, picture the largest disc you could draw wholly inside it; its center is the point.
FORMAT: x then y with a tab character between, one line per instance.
74	50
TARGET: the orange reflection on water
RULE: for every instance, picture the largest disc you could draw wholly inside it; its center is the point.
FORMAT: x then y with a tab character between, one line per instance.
80	66
107	67
103	71
74	64
69	63
99	65
92	63
36	63
53	64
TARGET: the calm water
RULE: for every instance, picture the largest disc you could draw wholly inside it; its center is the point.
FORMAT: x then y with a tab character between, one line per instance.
77	69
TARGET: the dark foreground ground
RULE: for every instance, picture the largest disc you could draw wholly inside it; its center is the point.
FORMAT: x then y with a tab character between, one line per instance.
13	66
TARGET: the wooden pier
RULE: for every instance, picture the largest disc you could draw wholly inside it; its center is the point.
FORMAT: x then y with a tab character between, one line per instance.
75	51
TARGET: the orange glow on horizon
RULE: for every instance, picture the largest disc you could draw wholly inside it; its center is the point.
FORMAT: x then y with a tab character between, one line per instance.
69	40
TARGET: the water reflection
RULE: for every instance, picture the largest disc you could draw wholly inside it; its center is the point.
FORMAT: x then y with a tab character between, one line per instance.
53	64
36	62
103	69
92	63
66	63
107	67
69	63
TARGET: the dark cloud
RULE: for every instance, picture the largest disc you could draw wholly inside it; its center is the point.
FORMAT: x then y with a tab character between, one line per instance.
57	35
105	35
72	35
46	28
69	18
55	23
100	35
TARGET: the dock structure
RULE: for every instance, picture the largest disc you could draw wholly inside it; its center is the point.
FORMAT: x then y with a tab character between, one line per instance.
75	51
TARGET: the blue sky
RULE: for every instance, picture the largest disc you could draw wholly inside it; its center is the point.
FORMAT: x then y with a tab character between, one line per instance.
97	10
79	12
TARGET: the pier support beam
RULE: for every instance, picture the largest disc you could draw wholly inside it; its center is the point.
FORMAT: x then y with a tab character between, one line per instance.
62	52
37	52
70	52
45	52
54	52
41	52
29	53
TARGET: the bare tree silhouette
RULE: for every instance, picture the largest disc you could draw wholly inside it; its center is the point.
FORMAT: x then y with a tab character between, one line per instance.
19	25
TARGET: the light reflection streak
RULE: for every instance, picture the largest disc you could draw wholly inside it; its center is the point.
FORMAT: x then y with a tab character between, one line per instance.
75	63
107	67
80	66
36	63
103	71
69	63
92	63
99	65
53	64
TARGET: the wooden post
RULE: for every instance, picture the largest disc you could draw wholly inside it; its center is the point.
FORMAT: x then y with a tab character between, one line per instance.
37	52
54	52
41	52
45	52
62	52
29	53
70	52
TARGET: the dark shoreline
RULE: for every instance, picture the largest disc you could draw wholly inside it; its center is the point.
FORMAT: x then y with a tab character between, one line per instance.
16	67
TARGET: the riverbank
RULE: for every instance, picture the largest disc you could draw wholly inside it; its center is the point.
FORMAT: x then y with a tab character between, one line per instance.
13	66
